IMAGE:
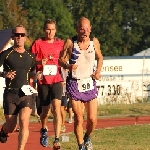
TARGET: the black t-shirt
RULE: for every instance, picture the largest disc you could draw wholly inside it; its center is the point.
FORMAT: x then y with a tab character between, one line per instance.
22	63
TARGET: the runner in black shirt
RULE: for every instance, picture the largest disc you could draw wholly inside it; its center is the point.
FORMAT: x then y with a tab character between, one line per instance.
18	66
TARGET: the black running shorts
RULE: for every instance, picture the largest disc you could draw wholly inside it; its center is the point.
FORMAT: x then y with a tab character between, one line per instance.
64	101
48	92
14	100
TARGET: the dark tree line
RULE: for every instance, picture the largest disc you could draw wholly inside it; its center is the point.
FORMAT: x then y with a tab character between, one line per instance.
122	27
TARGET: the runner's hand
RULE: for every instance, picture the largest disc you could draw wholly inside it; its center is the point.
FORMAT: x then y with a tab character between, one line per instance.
96	75
10	74
39	75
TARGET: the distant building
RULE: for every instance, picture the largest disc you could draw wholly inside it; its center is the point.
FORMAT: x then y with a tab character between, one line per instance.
5	39
143	53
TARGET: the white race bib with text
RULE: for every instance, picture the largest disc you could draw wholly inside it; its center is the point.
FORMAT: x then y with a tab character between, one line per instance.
50	70
28	90
85	84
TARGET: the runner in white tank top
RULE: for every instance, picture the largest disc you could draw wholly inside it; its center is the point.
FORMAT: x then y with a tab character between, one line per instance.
87	59
81	85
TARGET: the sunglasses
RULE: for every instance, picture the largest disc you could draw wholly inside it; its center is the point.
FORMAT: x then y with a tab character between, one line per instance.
19	34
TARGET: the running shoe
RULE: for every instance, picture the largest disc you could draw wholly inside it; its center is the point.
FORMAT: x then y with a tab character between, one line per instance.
88	144
70	120
3	137
82	147
44	137
56	145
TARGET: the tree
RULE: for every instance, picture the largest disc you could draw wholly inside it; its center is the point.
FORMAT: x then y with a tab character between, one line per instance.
11	14
40	10
122	27
2	9
119	25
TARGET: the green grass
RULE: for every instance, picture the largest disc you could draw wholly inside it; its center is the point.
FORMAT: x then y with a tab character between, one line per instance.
135	137
140	109
116	110
1	115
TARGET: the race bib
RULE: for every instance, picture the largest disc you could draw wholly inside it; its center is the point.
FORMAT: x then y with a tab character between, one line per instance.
50	70
28	90
85	84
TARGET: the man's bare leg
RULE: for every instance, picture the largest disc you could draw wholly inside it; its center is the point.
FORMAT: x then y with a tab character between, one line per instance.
44	116
56	104
57	121
24	115
8	127
63	116
10	124
70	112
91	109
77	107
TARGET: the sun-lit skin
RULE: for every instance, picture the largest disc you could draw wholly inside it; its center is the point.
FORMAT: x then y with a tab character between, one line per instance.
50	31
83	29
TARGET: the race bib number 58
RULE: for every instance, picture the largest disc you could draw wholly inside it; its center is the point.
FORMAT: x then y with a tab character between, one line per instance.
50	70
85	84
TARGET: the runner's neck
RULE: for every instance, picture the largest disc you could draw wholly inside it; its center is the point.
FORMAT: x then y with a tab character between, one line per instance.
19	49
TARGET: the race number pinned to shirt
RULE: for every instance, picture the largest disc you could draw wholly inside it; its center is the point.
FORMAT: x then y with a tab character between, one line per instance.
85	84
50	70
28	90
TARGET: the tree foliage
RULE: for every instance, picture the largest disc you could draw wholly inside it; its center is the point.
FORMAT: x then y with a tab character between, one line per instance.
40	10
32	15
122	27
11	14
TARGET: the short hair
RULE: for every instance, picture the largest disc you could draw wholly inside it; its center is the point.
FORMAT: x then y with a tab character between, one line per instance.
49	21
14	29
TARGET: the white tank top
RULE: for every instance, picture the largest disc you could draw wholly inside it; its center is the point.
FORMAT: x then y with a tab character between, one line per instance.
85	60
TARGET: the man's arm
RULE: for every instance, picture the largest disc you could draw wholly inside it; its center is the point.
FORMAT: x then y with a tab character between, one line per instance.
98	54
99	57
4	74
65	54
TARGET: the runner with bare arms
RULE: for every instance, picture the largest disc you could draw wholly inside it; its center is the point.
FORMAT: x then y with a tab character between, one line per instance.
81	84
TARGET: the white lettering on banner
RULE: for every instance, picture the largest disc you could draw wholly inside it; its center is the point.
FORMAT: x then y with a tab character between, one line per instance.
50	70
85	84
28	90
